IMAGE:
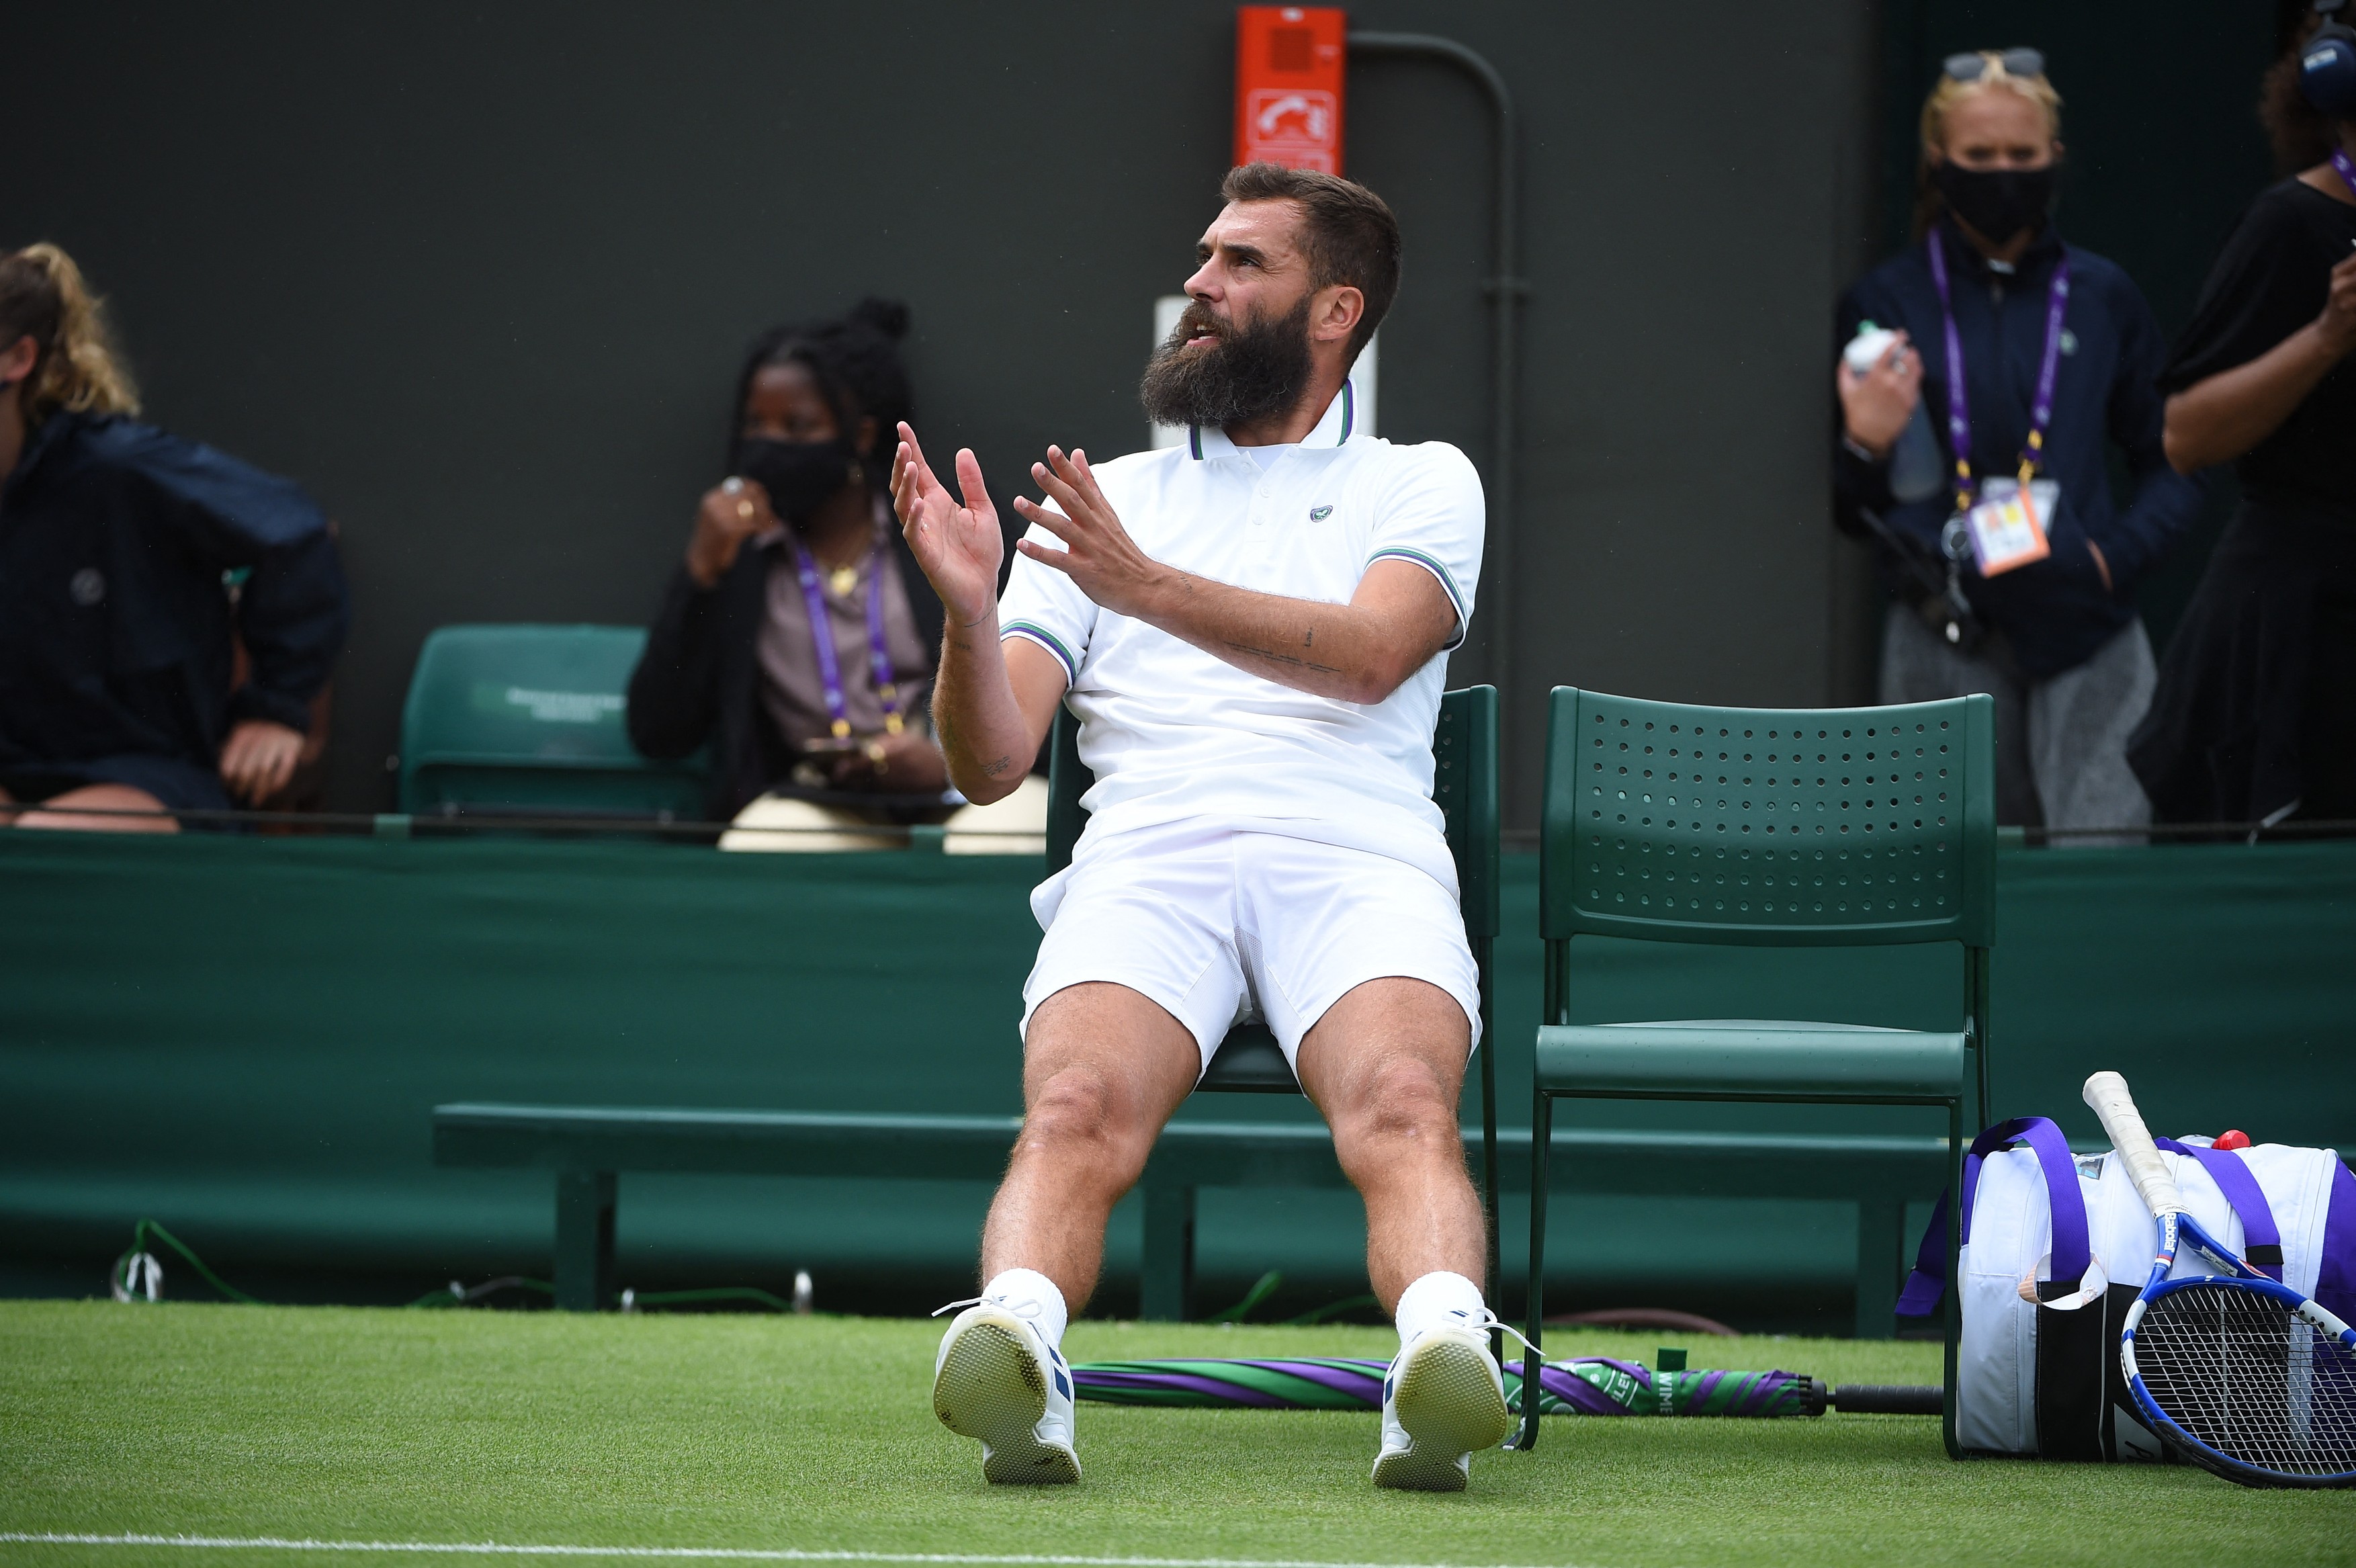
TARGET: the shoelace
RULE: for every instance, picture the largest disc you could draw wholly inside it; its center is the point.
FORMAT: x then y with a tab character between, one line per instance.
1489	1319
1024	1308
1482	1324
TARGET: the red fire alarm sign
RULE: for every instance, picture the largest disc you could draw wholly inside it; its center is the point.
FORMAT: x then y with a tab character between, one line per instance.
1288	63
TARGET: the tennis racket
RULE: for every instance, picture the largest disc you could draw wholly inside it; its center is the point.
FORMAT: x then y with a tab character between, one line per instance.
2248	1378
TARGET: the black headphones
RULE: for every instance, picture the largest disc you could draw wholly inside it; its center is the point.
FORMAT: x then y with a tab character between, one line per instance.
2327	64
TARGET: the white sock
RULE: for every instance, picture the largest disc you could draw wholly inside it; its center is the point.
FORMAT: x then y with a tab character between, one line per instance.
1018	1286
1436	1301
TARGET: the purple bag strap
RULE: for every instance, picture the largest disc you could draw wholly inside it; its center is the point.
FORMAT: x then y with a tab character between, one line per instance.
2261	1239
2335	1275
2070	1253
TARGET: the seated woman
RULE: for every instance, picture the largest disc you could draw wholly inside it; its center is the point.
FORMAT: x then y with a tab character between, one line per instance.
2255	716
117	544
824	734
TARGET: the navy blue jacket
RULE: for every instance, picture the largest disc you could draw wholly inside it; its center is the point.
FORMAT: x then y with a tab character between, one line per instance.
2054	612
116	543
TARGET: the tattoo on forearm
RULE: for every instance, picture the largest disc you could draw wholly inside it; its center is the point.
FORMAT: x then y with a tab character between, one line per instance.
999	766
1274	657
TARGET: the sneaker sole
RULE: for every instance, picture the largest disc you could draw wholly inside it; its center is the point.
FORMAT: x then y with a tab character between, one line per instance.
989	1389
1447	1402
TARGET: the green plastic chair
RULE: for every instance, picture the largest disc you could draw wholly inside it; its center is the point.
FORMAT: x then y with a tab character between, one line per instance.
528	720
1464	750
1754	827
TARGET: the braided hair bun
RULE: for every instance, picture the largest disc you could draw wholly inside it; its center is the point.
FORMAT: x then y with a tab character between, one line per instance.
855	360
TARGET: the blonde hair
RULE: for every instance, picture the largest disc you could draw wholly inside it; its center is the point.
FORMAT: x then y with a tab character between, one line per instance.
1993	77
78	368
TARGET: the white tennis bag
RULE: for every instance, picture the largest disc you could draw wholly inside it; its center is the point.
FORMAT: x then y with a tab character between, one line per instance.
2056	1247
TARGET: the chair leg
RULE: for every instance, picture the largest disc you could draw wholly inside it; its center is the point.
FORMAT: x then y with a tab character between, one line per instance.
1534	1294
1168	1286
1953	1298
584	1241
1881	1243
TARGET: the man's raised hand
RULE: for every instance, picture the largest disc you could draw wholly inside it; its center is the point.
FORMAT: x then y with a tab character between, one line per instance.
1099	555
958	546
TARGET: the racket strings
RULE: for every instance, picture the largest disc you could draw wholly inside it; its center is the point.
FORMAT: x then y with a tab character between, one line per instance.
2246	1376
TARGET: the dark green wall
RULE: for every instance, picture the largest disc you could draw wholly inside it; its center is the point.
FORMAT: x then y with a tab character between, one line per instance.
244	1039
478	276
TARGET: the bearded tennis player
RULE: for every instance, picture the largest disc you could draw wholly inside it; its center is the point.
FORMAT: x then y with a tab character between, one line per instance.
1252	628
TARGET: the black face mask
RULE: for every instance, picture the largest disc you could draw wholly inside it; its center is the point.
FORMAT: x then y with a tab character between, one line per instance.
798	474
1998	202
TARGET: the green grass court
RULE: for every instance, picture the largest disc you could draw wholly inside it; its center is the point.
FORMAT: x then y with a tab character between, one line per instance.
814	1435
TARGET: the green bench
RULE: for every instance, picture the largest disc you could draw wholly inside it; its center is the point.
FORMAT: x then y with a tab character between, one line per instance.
585	1149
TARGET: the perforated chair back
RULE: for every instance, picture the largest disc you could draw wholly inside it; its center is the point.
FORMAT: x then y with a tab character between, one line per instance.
528	720
1755	827
1768	827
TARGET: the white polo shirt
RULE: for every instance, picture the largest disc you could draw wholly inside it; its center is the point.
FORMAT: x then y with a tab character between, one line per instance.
1172	732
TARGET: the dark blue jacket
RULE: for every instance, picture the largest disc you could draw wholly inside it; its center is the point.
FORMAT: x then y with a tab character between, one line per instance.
2054	612
116	543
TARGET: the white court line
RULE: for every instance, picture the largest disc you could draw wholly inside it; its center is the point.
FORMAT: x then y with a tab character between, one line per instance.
734	1553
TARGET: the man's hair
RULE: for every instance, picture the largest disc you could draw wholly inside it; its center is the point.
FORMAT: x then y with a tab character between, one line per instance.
1347	233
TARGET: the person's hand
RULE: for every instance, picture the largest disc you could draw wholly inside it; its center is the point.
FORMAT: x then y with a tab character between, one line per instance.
259	757
958	546
906	763
2337	325
1099	556
1875	406
733	511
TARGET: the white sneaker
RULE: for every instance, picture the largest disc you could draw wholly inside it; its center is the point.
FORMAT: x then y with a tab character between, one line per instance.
997	1380
1443	1397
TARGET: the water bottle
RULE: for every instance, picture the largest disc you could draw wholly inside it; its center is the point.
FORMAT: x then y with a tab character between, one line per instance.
1916	470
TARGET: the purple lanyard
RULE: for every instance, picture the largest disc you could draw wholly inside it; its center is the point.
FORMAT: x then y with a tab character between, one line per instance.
829	669
1959	412
2347	168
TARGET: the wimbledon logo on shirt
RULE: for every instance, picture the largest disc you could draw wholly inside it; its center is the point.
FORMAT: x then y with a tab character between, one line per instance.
1320	514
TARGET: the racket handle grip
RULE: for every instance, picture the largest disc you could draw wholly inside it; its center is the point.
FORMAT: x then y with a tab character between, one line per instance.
2107	1092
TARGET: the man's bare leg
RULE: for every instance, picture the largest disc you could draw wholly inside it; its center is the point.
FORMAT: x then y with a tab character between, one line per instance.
1103	1069
1385	1064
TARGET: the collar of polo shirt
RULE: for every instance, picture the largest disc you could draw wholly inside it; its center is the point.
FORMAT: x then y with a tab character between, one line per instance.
1341	418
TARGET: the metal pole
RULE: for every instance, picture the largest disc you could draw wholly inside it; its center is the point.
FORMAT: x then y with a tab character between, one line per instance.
1505	290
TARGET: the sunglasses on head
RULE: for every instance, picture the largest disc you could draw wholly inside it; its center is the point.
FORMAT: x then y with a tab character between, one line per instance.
2016	62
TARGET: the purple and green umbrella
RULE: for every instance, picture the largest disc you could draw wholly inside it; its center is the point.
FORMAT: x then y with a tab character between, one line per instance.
1588	1385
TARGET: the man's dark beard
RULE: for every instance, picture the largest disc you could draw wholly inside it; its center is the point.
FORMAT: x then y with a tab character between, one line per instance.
1246	375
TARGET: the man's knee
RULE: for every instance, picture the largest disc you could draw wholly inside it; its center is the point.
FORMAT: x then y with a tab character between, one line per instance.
1398	1104
1080	1118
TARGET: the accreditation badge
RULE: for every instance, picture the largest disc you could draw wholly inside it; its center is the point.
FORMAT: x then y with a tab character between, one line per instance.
2007	527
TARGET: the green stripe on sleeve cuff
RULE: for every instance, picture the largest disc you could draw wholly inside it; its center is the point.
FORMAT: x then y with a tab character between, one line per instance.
1447	584
1046	639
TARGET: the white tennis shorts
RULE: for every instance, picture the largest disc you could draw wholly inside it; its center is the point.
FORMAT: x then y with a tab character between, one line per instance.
1223	925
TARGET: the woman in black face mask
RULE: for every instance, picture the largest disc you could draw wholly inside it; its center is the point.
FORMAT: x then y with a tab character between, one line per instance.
1973	426
797	638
